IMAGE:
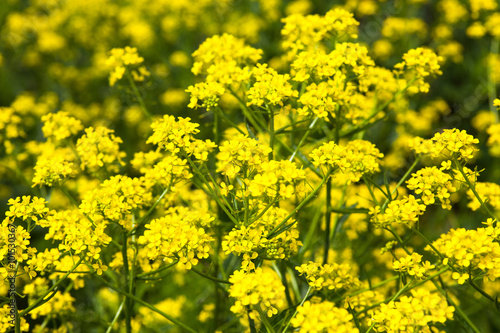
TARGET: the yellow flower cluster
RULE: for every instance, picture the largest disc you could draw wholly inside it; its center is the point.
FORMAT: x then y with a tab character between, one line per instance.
475	251
224	60
323	317
345	57
413	265
169	171
26	208
355	159
180	234
478	6
115	199
10	125
432	183
489	192
330	276
59	126
413	313
251	290
159	168
241	154
419	63
276	179
99	151
21	242
448	144
270	88
251	240
361	301
325	98
176	136
76	233
50	170
208	93
305	33
406	211
222	49
121	60
6	323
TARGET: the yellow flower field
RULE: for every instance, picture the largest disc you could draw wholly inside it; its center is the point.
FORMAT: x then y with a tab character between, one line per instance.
249	166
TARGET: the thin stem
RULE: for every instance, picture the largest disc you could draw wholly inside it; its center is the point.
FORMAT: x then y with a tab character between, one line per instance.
149	306
271	131
380	284
158	270
482	292
42	299
110	327
73	201
128	303
415	230
402	180
138	95
328	220
149	212
275	232
472	187
304	138
296	309
221	114
457	308
492	93
367	120
212	192
371	327
247	112
271	204
209	277
349	210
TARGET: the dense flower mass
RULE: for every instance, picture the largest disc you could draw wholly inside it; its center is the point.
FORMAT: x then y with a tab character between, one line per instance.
249	166
254	289
357	158
323	317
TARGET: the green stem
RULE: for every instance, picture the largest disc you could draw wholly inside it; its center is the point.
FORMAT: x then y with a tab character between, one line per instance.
271	131
247	112
380	284
41	299
401	181
492	93
138	95
366	121
304	138
271	204
275	232
209	277
296	309
221	114
482	292
149	306
428	242
128	303
110	327
349	210
212	192
457	308
149	212
328	220
370	328
472	188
